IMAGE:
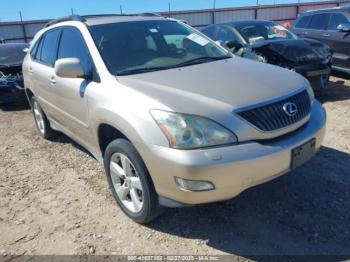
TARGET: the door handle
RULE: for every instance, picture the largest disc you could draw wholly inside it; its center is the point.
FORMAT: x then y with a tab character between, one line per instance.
53	80
326	35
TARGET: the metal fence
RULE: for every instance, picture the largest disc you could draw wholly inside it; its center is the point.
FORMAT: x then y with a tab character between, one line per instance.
25	31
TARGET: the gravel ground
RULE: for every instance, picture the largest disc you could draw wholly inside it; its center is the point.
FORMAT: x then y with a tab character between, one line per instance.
54	199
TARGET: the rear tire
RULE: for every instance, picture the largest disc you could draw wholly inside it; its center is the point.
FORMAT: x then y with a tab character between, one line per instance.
41	121
130	182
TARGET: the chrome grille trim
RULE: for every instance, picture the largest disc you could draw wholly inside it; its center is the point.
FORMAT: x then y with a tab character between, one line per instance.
271	116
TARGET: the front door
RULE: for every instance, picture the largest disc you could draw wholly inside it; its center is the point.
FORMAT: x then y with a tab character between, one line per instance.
71	93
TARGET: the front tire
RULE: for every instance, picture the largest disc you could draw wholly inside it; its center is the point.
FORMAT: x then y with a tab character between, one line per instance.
130	182
41	121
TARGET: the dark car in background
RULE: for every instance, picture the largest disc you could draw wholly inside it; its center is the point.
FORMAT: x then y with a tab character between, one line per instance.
269	42
332	27
11	78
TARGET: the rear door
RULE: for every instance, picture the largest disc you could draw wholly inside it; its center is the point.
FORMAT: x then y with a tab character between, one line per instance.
317	27
300	26
42	71
339	41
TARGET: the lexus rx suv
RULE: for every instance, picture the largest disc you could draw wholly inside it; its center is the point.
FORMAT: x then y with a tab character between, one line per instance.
175	119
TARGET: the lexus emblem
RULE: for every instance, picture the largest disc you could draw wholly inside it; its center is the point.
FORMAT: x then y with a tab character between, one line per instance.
291	109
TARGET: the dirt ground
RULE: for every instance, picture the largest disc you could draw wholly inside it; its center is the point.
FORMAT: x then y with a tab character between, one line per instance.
54	199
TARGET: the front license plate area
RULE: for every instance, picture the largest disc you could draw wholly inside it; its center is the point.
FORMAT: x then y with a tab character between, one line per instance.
303	153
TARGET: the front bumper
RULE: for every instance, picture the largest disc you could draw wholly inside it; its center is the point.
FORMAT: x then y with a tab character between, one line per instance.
231	169
317	75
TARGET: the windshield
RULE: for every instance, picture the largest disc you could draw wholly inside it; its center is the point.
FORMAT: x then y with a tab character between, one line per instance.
11	55
257	32
138	47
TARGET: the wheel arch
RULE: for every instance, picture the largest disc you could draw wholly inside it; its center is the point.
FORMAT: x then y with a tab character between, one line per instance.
106	133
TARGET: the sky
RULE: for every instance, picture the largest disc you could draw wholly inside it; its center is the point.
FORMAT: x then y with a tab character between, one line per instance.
47	9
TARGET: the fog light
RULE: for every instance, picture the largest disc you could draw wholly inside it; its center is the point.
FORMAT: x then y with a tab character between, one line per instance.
194	185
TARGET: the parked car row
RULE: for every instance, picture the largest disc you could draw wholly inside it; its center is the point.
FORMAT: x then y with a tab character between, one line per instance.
318	42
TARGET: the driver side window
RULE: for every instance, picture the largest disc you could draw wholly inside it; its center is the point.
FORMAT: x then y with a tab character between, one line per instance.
336	20
72	44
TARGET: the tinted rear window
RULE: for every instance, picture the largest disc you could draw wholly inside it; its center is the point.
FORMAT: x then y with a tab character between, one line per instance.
303	22
319	21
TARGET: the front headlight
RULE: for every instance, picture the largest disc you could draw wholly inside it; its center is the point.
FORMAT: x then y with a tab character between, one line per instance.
189	132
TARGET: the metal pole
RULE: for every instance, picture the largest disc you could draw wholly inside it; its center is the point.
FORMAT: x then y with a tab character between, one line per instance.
23	27
256	9
169	9
72	11
121	9
298	10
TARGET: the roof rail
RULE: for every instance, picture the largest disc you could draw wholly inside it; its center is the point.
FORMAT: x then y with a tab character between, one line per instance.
64	19
103	15
84	17
149	14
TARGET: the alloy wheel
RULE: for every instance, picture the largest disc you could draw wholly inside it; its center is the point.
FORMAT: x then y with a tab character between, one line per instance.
39	118
126	182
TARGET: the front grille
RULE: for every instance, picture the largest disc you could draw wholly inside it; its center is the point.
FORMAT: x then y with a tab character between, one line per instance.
272	117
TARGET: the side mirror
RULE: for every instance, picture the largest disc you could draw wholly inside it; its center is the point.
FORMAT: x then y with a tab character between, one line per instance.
69	68
344	28
234	44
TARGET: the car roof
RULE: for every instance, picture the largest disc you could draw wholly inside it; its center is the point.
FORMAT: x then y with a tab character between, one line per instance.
332	9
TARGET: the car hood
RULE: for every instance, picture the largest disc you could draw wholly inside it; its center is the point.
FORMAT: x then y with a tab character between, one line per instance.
234	83
298	51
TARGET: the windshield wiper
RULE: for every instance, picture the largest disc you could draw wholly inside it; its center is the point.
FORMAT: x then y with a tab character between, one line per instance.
142	70
195	61
201	60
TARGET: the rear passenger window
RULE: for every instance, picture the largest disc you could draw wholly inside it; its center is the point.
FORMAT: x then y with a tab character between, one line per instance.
319	21
38	51
73	45
34	49
49	47
336	20
303	22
